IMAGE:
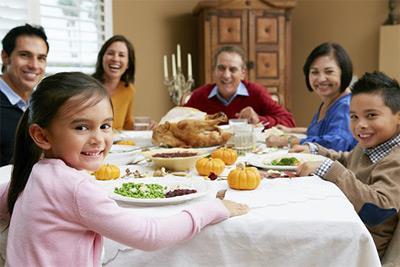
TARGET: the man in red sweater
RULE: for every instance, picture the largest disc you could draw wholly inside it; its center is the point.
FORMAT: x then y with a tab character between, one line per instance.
234	96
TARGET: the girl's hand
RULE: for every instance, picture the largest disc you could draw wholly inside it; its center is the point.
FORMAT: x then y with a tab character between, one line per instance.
234	208
308	168
300	149
276	141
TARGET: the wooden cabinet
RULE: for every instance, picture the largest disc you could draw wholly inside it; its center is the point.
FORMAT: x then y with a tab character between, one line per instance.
261	27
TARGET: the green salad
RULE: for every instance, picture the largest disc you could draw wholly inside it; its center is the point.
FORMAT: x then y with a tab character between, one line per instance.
291	161
141	190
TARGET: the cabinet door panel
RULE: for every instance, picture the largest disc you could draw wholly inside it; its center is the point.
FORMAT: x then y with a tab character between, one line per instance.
266	30
230	30
272	89
267	65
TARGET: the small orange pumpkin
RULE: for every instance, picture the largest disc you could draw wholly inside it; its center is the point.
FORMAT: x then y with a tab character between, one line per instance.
206	166
228	155
107	172
128	142
244	178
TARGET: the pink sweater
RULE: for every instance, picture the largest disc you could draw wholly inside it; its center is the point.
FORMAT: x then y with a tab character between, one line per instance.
61	216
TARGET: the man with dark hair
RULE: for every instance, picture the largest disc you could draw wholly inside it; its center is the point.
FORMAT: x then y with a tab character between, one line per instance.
24	58
236	97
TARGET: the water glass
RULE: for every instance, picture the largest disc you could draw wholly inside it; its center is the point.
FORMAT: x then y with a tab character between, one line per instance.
233	122
142	123
243	137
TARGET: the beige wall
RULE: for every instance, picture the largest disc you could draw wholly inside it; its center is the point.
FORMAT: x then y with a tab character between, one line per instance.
352	23
156	26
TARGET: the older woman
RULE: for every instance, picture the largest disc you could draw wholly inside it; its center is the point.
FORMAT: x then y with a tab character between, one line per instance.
328	72
115	68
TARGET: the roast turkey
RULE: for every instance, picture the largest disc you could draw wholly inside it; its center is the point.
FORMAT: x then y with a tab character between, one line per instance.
188	127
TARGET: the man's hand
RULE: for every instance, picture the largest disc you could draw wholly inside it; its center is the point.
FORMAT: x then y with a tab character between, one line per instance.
249	114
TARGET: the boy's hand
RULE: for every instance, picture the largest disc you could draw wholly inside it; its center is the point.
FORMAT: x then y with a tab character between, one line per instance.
234	208
308	168
300	149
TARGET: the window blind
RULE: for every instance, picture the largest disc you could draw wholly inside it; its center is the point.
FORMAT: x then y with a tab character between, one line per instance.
76	29
12	13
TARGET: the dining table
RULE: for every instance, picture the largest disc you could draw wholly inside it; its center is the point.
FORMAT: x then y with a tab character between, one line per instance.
298	221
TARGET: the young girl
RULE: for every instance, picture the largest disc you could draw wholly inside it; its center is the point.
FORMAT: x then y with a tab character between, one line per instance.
57	214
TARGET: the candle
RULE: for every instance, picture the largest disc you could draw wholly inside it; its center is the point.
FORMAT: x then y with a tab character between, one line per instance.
165	67
178	55
189	56
173	66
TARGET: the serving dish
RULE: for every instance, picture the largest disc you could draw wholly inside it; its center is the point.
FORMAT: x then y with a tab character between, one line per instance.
176	163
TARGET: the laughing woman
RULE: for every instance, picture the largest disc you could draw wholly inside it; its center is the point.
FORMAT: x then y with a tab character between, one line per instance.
115	68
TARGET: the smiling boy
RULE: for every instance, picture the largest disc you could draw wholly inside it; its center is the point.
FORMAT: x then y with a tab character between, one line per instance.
369	175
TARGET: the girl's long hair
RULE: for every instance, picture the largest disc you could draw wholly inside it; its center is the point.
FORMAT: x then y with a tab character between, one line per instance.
51	94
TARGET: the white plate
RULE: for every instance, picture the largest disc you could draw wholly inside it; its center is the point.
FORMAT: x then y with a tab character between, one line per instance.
264	161
122	154
141	138
226	127
200	185
123	148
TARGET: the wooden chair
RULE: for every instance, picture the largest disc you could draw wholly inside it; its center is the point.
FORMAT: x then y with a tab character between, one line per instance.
392	254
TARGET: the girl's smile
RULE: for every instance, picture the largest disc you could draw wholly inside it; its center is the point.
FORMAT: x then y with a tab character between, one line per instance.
81	139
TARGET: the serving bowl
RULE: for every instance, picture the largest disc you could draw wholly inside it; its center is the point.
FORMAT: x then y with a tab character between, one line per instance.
176	159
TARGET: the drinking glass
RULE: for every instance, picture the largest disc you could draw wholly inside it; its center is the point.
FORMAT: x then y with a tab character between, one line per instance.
142	123
237	121
243	137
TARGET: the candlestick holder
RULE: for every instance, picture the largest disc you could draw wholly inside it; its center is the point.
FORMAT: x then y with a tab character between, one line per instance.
179	87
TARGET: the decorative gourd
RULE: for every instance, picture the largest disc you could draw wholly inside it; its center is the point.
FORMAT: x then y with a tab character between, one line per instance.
228	155
244	178
206	166
107	172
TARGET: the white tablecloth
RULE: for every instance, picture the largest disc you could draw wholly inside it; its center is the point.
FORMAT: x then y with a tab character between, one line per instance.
308	222
292	222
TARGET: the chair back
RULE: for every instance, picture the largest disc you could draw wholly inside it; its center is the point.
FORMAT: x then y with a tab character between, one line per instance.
392	254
